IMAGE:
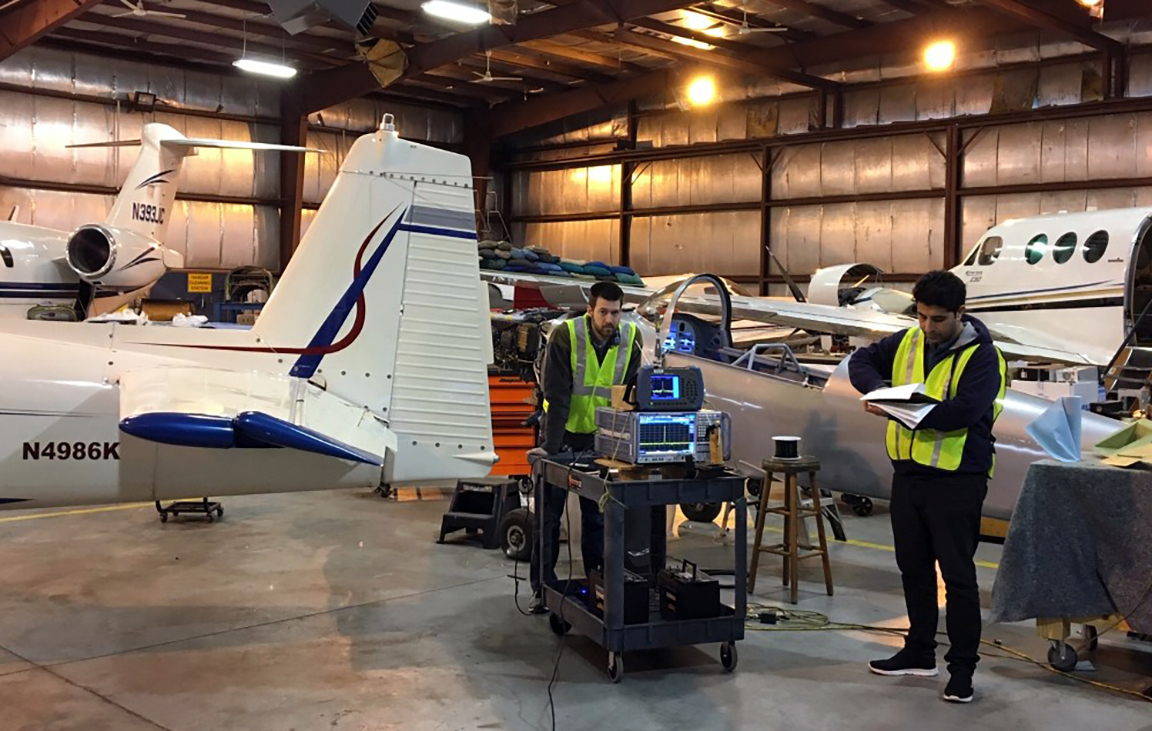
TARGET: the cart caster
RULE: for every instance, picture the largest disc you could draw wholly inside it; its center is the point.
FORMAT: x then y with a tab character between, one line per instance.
163	517
558	625
1062	656
701	512
862	506
728	656
615	666
211	519
384	491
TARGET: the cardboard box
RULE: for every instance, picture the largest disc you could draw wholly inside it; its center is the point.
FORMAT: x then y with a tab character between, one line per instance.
1129	445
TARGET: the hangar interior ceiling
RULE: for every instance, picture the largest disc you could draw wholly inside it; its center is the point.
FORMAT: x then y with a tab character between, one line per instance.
828	141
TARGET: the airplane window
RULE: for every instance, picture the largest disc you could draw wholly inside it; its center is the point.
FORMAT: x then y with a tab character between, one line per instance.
7	256
990	250
1065	247
971	258
1034	252
1094	246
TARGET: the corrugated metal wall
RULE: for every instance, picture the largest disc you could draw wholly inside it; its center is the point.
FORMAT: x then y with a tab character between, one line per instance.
34	130
898	235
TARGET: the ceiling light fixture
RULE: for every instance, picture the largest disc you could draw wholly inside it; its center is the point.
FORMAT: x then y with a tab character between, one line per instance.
696	21
460	12
693	43
264	68
940	56
702	91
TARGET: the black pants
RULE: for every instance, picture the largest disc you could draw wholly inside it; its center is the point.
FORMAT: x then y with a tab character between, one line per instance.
591	536
937	519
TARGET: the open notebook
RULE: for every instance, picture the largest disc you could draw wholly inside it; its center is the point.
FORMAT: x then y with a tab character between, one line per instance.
907	404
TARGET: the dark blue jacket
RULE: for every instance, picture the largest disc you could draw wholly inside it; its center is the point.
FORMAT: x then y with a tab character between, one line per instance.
871	368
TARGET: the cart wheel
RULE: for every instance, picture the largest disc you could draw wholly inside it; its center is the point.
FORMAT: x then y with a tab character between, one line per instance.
701	512
558	625
1062	656
210	518
163	517
1091	638
615	666
516	535
728	656
863	508
220	512
174	514
384	491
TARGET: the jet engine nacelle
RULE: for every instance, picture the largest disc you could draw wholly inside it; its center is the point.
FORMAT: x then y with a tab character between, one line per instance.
855	285
116	259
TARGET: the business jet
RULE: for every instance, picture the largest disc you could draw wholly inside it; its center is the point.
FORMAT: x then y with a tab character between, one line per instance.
344	380
51	274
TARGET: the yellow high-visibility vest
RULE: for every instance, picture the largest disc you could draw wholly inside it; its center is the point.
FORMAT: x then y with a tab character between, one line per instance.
592	379
931	447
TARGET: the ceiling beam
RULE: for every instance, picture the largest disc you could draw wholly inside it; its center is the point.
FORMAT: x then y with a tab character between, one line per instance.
880	38
449	86
463	74
510	118
503	69
727	53
726	15
1047	21
518	57
814	10
320	44
609	38
317	91
132	43
254	8
23	25
207	38
575	53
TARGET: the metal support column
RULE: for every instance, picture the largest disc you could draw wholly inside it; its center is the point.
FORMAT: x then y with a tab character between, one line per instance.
293	131
953	215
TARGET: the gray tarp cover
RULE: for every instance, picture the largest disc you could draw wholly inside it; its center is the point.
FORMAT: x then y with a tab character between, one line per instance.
1079	545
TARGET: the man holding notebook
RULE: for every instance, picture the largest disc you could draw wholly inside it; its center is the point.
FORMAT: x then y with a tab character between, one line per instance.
941	470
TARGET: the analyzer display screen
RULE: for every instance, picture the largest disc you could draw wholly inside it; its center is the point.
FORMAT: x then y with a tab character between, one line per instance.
665	387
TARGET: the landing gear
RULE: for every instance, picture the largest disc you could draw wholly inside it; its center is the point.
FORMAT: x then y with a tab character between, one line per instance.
862	506
516	535
384	490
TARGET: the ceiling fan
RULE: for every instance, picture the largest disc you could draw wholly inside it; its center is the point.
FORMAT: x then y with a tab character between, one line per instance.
487	75
140	11
745	29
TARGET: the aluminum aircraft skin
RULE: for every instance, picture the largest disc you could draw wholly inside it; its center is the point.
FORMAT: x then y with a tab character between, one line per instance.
770	394
344	381
1063	288
113	260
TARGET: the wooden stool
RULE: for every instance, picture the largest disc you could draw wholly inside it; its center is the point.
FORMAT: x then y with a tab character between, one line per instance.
790	549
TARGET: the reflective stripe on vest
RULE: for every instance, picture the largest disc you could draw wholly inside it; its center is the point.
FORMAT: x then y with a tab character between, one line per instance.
592	379
932	447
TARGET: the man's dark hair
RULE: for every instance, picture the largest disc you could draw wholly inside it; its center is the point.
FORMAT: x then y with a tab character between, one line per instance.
607	291
940	289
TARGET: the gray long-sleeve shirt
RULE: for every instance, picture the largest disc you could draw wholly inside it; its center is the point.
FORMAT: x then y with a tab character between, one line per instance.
557	385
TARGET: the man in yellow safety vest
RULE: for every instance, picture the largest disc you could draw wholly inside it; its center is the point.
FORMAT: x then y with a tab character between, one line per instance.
585	358
941	471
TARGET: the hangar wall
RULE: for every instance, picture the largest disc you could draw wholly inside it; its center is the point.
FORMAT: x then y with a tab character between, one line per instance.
875	190
227	211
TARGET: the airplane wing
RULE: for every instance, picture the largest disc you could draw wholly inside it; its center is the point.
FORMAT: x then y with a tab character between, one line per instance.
1017	344
221	409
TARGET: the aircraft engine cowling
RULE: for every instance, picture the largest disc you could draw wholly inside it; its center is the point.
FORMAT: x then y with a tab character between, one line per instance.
118	260
857	286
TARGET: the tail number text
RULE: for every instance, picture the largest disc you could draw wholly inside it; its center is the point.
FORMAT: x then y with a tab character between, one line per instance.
71	450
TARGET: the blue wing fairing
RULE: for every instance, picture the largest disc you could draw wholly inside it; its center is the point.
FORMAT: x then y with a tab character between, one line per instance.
247	430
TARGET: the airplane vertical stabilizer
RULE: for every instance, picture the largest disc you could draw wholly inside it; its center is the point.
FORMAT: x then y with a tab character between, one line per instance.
144	205
384	289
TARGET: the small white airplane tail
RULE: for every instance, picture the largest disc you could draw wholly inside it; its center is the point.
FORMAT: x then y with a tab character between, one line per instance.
382	304
144	205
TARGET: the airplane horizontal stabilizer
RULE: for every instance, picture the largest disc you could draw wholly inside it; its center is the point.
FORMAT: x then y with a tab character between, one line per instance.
247	430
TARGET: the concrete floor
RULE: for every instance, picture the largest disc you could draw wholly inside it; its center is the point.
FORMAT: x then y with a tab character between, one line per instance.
338	610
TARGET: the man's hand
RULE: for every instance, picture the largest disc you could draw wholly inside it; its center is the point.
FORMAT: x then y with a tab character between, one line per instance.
872	408
536	453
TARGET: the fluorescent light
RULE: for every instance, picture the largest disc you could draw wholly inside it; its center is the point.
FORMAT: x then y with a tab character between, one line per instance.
265	68
940	55
701	91
696	21
459	12
693	43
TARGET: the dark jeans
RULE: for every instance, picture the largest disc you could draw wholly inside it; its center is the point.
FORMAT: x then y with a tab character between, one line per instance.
591	536
937	519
